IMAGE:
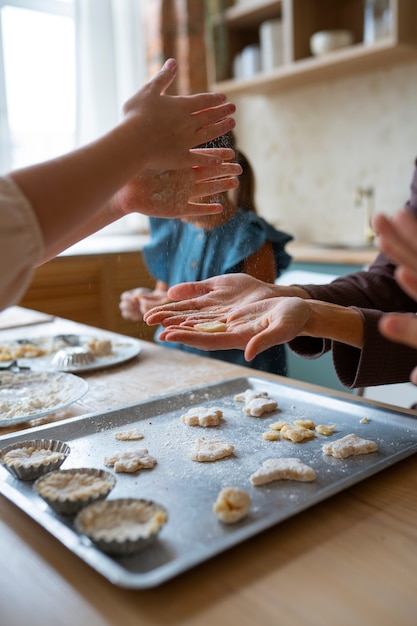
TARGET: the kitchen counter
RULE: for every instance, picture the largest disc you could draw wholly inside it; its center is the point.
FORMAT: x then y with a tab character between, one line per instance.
301	252
314	253
351	559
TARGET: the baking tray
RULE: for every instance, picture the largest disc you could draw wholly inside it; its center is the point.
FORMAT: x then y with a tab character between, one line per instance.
188	489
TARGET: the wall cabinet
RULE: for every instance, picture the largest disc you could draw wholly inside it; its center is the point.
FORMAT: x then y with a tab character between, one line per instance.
87	288
238	26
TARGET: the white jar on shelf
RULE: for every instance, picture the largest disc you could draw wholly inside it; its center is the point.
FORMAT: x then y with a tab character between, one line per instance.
271	44
378	20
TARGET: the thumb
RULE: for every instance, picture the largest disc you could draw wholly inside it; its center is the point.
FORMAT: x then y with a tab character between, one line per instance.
165	76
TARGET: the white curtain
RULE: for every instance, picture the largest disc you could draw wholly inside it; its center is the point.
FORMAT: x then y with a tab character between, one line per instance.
111	61
111	66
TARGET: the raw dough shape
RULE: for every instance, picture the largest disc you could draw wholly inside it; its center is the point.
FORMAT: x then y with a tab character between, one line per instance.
211	327
249	395
305	424
322	429
31	457
207	450
349	445
202	416
130	461
258	406
232	505
278	425
296	434
128	435
285	468
271	435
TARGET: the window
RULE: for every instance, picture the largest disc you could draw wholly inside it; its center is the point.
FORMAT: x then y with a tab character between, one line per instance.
37	80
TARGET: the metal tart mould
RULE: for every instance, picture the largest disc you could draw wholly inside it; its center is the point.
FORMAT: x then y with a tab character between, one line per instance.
68	491
122	526
71	358
28	460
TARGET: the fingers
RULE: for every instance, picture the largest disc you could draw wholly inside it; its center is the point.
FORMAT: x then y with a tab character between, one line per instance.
397	237
407	279
214	130
401	328
223	154
220	170
163	79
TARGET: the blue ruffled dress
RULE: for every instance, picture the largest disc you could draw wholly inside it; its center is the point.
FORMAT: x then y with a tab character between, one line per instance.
179	252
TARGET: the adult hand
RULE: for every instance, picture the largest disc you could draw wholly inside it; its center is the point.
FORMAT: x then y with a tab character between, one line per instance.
172	193
397	238
173	125
256	319
214	297
402	328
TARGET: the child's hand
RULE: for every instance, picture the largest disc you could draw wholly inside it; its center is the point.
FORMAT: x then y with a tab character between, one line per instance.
173	125
136	302
130	304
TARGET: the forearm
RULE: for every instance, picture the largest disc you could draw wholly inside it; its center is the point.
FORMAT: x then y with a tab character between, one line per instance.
72	190
330	321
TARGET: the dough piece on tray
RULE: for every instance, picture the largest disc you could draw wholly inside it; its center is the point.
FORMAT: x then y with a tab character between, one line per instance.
250	394
207	450
202	416
232	505
258	406
284	468
128	435
326	430
305	424
271	435
348	446
130	461
296	434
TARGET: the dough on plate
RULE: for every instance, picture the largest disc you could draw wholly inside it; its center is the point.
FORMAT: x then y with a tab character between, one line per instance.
284	468
206	450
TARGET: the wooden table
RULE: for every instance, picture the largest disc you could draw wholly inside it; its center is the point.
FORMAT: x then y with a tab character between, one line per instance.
350	560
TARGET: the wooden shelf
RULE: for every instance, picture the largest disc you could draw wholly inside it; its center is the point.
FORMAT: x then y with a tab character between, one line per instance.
349	61
239	26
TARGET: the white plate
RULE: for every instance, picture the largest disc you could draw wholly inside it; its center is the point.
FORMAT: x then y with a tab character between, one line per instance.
27	396
123	349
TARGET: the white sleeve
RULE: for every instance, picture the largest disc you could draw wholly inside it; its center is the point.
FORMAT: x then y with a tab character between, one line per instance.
21	242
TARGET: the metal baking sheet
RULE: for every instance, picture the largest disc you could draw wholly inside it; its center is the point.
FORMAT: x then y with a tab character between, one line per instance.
188	489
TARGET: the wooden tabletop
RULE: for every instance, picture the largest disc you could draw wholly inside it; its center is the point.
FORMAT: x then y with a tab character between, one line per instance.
350	560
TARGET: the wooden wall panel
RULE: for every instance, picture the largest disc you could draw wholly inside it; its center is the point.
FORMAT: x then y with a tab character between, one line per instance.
87	289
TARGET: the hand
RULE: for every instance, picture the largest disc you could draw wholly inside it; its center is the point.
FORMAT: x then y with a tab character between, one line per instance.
402	328
210	298
171	193
253	327
173	125
258	315
216	296
136	302
256	319
397	238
